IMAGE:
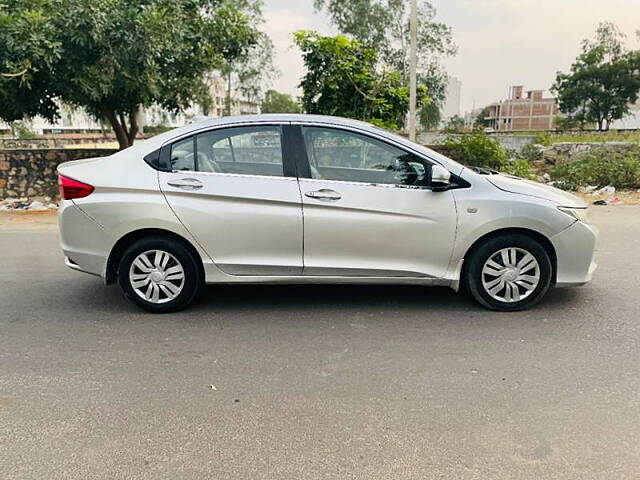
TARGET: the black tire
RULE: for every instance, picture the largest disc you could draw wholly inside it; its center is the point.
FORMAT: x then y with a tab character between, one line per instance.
475	261
192	278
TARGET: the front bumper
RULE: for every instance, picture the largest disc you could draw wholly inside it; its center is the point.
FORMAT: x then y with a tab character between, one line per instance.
575	247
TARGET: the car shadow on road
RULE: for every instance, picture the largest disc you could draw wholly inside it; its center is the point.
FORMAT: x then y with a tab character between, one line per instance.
315	299
353	297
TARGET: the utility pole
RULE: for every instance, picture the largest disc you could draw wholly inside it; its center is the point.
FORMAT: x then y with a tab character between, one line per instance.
413	30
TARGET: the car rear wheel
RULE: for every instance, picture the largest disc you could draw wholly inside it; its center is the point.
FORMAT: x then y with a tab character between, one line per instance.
159	274
509	272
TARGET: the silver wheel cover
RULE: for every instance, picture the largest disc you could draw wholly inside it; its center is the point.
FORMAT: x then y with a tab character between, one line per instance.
510	275
156	276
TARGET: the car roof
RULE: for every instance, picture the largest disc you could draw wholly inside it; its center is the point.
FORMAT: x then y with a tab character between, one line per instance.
280	117
204	123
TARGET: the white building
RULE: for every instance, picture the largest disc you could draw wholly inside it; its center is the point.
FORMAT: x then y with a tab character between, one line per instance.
631	120
77	120
452	98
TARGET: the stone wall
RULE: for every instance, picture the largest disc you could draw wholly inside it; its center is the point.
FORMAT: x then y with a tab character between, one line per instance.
32	173
569	151
53	141
506	140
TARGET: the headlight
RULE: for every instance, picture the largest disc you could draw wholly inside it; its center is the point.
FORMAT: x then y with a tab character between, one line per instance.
579	213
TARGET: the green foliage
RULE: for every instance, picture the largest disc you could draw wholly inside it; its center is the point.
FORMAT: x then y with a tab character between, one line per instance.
342	79
250	72
590	137
602	82
114	56
430	116
276	102
531	152
21	131
544	138
383	25
481	120
476	149
150	131
600	167
519	167
454	125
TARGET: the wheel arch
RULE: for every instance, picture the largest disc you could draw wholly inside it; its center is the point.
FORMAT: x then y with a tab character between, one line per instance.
537	236
118	249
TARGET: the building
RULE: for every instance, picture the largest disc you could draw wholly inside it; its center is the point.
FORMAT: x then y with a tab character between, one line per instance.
531	111
77	120
156	115
451	105
630	121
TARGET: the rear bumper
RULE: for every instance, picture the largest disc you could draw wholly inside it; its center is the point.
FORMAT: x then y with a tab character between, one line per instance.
575	247
85	244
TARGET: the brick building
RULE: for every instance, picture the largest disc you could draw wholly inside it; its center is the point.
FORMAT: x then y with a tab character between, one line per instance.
531	111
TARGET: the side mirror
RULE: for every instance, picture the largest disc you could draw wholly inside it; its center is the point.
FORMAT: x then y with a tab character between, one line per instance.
440	178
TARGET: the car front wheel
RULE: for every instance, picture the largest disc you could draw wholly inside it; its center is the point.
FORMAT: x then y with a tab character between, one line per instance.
509	272
159	274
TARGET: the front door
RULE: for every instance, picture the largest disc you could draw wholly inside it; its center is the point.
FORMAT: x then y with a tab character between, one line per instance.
232	189
368	210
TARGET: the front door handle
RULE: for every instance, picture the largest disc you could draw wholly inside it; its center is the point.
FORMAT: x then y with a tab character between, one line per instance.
324	194
186	184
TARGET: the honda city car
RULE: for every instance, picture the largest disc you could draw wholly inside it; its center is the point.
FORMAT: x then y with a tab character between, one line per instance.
313	199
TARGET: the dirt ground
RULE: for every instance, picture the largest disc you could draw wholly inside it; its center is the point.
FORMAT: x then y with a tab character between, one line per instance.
618	198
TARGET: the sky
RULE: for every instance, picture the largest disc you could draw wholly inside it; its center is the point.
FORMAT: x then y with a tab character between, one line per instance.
500	42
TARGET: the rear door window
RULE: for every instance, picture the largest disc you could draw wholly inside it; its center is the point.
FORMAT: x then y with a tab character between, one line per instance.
252	150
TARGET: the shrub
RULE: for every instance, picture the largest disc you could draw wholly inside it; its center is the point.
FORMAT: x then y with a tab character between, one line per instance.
544	138
600	167
476	149
531	152
520	167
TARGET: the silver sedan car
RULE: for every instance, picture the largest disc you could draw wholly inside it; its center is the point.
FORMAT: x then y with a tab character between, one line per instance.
313	199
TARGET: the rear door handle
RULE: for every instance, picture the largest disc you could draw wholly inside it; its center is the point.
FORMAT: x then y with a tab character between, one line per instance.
186	184
324	194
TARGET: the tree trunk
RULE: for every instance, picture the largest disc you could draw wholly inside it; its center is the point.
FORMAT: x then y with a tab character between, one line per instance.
228	99
133	126
125	136
118	129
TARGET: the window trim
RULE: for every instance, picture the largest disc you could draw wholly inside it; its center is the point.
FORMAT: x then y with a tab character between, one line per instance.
288	163
304	164
307	172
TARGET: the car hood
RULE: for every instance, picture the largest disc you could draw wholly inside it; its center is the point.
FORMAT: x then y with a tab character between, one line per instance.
519	185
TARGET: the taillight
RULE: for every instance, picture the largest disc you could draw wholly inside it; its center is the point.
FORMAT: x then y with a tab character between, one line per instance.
70	188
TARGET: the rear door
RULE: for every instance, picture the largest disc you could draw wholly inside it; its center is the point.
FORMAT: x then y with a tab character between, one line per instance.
368	209
235	190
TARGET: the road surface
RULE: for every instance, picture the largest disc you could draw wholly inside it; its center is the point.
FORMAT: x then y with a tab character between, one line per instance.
306	382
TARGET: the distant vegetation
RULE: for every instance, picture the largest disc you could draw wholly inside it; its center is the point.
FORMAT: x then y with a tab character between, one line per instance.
477	149
114	57
546	138
276	102
599	167
602	82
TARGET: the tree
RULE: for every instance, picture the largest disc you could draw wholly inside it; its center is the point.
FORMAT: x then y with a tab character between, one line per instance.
342	79
276	102
113	57
430	116
383	25
455	124
602	82
481	120
252	71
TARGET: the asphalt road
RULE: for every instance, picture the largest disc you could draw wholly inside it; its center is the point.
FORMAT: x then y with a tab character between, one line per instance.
309	382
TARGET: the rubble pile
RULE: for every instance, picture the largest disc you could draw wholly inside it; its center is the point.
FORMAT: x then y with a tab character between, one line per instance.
25	204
